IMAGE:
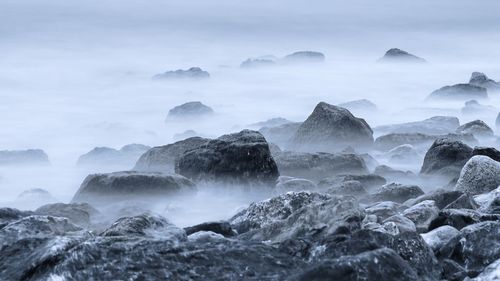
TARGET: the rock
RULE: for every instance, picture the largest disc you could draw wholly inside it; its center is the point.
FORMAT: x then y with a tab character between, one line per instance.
481	80
105	156
269	123
362	105
436	125
381	264
194	73
35	194
422	214
397	192
8	215
23	157
403	154
223	228
463	202
452	270
490	273
190	110
331	128
77	213
398	55
460	218
185	135
162	158
438	237
286	184
123	185
497	121
473	107
145	225
477	128
314	166
397	224
446	158
459	92
368	181
479	175
281	135
384	209
258	62
242	158
354	188
441	197
304	57
491	152
390	141
488	202
395	175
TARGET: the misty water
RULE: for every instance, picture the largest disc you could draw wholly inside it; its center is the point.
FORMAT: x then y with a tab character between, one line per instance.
76	75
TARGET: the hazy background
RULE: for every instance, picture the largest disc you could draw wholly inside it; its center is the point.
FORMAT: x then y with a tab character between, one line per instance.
76	74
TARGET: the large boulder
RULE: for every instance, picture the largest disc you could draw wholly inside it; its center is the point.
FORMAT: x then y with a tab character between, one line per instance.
459	92
304	57
331	128
436	125
125	185
480	174
23	157
194	73
390	141
282	134
491	152
315	166
446	158
398	55
8	215
242	158
480	79
105	156
189	110
477	128
162	158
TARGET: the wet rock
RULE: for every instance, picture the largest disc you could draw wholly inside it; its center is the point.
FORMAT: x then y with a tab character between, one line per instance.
480	79
242	158
422	214
390	141
446	158
491	152
223	228
441	197
104	156
477	128
397	192
282	134
460	218
190	110
369	181
332	128
23	157
286	184
488	202
490	273
398	224
304	57
452	270
354	188
194	73
145	225
123	185
479	175
436	125
78	213
463	202
384	209
314	166
459	92
162	158
438	237
8	215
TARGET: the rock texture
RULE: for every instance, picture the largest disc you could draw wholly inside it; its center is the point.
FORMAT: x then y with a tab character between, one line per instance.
479	175
446	158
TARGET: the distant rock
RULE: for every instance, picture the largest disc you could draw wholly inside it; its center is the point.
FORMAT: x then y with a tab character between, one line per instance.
104	156
286	184
185	135
436	125
191	73
369	181
304	57
398	55
491	152
78	213
315	166
36	194
189	110
263	61
354	188
480	79
242	158
459	92
390	141
23	157
281	135
477	128
332	128
273	122
392	174
362	105
446	158
126	185
479	175
162	158
405	153
473	107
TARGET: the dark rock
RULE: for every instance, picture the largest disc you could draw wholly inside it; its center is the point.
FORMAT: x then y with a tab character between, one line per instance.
397	193
122	185
304	57
446	158
368	181
453	271
78	213
479	175
145	225
491	152
316	166
460	218
223	228
162	158
282	134
190	110
436	125
104	156
332	128
191	73
422	214
441	197
477	128
8	215
398	55
23	157
459	92
242	158
480	79
390	141
463	202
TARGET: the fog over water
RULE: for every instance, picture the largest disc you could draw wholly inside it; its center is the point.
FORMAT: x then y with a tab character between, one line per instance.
77	74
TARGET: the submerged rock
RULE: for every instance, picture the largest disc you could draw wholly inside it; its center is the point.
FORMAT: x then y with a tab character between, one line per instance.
477	128
190	110
191	73
331	128
446	158
398	55
480	174
23	157
304	57
459	92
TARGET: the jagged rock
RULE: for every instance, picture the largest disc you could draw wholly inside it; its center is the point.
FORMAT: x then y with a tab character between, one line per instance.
422	214
480	79
354	188
122	185
446	158
23	157
403	154
281	135
460	218
191	73
488	202
479	175
397	224
332	128
314	166
459	92
286	184
104	156
162	158
304	57
390	141
242	158
145	225
8	215
362	105
436	125
77	213
438	237
223	228
441	197
474	107
190	110
368	181
477	128
491	152
398	55
397	192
